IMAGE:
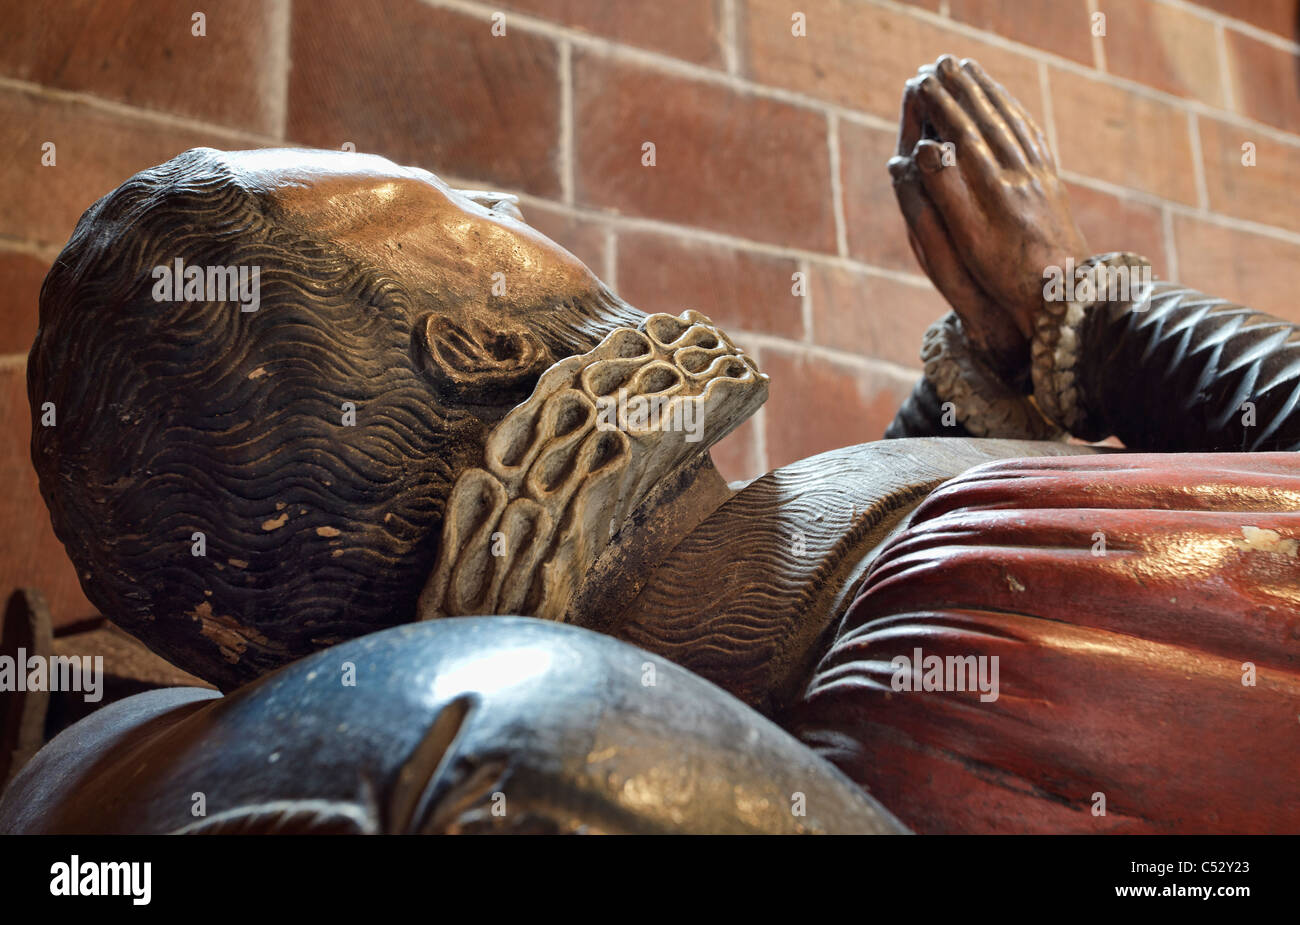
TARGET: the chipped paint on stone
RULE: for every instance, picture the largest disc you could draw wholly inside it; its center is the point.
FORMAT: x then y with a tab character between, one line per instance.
1261	539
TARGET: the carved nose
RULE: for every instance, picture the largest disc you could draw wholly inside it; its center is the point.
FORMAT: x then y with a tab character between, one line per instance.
504	203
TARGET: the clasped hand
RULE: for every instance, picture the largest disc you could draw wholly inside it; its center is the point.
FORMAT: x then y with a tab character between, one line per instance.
985	210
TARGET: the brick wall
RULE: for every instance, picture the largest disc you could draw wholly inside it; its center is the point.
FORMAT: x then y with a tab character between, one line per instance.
770	152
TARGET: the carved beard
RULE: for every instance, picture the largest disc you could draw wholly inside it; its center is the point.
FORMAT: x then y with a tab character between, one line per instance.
567	467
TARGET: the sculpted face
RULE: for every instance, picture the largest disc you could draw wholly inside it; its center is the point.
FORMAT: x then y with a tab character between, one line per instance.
497	281
404	218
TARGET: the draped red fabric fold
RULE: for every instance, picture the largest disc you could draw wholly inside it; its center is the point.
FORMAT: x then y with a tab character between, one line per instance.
1144	612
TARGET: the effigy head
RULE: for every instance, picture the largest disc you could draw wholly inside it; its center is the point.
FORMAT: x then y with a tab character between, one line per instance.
257	377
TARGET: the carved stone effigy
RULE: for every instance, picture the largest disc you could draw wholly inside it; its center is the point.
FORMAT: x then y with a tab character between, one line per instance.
539	457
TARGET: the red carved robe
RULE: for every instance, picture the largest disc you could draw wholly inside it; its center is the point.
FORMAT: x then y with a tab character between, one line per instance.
1144	611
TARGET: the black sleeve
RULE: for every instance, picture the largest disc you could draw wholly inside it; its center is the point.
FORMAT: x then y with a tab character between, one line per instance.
1183	371
922	416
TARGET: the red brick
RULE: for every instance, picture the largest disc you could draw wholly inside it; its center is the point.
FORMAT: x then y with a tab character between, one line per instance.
427	87
1265	81
725	160
738	289
1272	15
1268	192
877	233
1165	47
143	53
859	55
584	239
1111	223
818	405
1059	26
1107	132
872	315
21	276
686	29
1252	269
30	555
96	151
737	455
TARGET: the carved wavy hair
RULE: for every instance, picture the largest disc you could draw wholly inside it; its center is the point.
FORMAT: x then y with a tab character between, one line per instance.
176	418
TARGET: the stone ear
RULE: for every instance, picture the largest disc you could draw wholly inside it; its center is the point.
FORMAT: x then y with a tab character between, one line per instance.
481	360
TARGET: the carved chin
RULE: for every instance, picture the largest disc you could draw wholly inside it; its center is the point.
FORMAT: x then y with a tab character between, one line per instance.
566	467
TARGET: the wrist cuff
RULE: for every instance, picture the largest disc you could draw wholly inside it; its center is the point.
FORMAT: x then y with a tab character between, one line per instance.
1118	280
981	401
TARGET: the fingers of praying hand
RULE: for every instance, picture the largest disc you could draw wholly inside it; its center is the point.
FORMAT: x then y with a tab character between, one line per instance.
987	324
950	107
977	183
